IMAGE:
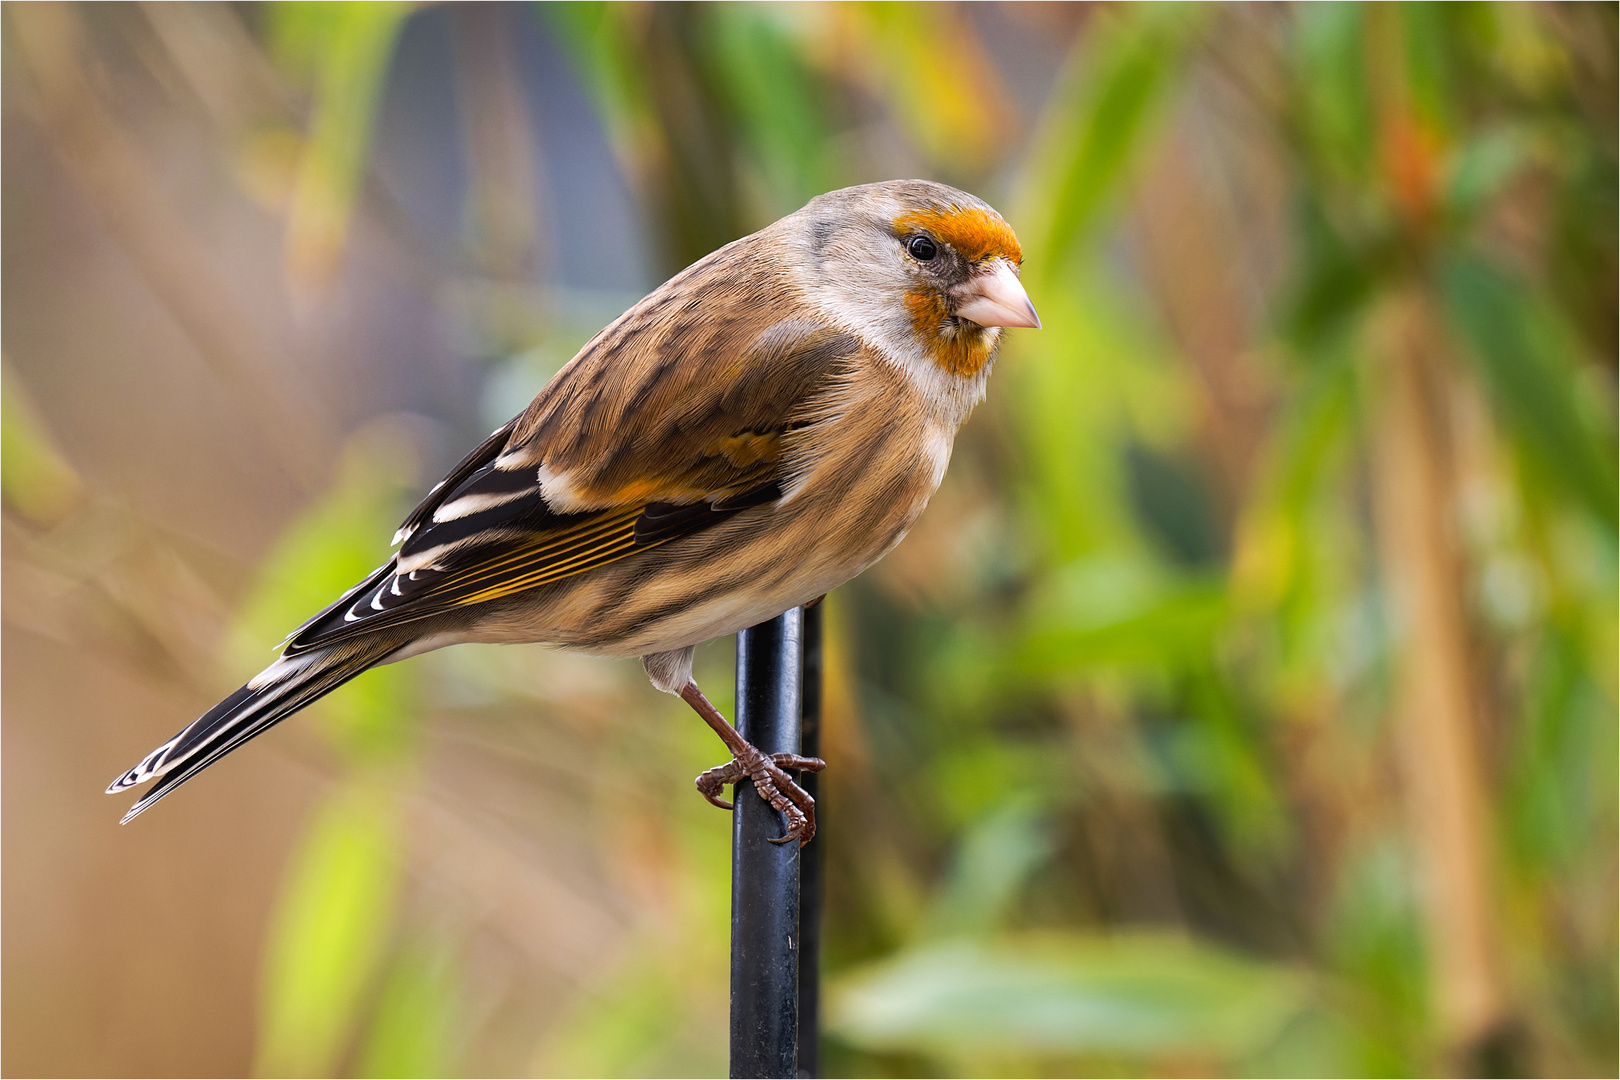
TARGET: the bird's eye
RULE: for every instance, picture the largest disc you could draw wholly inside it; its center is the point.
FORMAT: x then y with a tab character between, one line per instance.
921	248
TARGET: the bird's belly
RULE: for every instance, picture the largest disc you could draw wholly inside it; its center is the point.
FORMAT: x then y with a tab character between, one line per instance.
690	590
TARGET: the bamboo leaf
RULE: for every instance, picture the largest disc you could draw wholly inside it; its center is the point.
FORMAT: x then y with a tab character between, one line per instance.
1530	362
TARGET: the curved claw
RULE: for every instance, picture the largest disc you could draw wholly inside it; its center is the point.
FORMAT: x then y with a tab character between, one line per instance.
801	827
788	798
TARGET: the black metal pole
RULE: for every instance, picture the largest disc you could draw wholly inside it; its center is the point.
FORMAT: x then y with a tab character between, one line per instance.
765	876
811	857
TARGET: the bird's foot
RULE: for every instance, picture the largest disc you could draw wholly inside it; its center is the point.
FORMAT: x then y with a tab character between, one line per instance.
774	785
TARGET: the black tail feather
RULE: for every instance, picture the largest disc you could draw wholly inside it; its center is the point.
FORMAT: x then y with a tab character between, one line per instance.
245	714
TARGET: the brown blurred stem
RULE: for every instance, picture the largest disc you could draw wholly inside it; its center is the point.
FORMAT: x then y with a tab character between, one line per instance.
1437	705
1188	242
159	240
691	181
501	150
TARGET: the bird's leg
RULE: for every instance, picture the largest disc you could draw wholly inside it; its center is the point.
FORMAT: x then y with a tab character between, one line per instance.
766	770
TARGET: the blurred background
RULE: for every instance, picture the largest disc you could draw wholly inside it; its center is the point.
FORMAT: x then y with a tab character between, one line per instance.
1244	704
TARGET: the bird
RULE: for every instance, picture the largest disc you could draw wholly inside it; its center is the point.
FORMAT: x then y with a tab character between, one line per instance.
747	437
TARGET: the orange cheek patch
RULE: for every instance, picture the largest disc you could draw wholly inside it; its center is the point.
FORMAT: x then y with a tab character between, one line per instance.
928	313
962	350
974	232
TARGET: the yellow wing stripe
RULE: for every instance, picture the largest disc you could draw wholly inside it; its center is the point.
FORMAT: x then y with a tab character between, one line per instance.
596	544
576	561
545	545
541	547
608	553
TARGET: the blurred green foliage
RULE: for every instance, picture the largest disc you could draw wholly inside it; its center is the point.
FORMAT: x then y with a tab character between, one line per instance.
1048	996
1111	789
340	52
329	937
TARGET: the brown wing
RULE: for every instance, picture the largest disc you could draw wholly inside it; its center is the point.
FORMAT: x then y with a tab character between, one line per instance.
671	420
690	386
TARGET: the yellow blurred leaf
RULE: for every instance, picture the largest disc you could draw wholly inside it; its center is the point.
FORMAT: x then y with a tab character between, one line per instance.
926	61
343	49
328	934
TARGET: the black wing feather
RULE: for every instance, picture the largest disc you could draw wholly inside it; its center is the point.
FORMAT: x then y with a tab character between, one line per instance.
522	552
486	452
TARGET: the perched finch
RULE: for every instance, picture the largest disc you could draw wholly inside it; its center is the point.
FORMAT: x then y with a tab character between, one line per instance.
755	432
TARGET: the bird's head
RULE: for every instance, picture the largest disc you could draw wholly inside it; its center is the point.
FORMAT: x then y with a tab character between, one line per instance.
926	269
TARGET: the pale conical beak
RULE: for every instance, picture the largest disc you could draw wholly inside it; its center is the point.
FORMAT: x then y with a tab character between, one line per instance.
995	297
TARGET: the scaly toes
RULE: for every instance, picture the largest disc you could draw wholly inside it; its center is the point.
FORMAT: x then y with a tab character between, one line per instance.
795	763
790	800
711	782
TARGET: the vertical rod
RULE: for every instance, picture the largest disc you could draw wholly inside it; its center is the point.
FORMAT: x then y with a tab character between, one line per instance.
810	859
765	876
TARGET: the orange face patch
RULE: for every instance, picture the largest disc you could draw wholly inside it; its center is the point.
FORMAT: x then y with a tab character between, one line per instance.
974	232
961	349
